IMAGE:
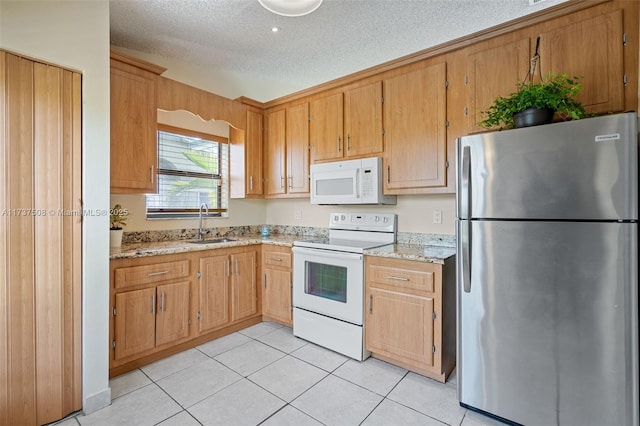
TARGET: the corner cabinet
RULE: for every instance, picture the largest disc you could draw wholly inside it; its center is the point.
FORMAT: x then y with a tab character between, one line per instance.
410	314
415	130
277	284
133	124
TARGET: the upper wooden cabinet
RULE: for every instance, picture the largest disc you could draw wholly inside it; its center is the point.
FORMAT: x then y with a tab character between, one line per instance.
274	151
287	152
415	130
133	124
253	153
325	128
348	124
245	158
593	49
297	147
492	72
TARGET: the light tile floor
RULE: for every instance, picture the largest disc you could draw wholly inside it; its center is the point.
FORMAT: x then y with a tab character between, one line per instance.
264	375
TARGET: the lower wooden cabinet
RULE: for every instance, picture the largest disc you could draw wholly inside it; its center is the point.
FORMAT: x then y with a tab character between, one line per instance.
162	304
276	284
150	318
410	314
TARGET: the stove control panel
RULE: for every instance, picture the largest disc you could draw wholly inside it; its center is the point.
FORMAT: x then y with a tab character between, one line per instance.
385	222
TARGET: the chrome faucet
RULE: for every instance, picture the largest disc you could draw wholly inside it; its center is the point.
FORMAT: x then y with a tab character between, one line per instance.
201	231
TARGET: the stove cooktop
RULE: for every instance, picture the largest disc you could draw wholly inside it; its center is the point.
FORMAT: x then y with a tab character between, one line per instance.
352	246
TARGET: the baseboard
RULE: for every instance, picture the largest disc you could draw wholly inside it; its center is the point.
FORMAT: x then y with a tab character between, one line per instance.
97	401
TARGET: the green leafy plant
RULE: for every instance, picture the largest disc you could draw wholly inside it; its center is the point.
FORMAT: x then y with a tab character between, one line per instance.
554	91
117	217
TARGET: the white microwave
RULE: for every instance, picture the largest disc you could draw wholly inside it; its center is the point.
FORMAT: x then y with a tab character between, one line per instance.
349	182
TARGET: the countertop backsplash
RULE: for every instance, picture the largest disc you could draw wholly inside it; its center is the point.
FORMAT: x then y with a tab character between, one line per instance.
411	238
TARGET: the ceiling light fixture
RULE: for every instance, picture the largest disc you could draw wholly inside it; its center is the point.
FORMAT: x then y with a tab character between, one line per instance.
290	8
275	29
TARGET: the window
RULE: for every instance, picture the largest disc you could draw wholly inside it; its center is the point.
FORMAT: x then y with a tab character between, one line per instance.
192	170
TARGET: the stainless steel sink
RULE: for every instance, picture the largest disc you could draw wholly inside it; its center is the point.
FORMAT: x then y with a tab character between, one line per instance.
214	241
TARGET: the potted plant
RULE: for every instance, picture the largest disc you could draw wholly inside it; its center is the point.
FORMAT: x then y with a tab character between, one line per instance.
117	219
535	103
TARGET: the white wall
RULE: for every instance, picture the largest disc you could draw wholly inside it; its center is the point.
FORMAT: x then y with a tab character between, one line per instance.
415	213
75	34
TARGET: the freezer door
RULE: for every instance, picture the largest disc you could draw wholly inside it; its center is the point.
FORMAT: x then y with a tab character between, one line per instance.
578	170
548	324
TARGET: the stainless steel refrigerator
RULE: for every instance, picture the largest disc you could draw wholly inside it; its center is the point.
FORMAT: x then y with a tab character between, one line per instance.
547	282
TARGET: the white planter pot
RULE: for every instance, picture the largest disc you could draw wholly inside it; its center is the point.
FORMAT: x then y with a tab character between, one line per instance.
115	238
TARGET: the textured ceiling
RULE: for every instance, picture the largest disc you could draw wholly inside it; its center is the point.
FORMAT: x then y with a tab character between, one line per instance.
339	38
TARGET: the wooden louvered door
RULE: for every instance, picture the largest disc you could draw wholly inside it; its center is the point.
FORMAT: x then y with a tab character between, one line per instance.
40	241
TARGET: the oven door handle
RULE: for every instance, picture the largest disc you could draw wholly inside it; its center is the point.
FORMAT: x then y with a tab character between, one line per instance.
319	253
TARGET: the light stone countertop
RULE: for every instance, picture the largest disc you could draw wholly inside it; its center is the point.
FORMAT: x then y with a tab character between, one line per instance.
135	250
421	253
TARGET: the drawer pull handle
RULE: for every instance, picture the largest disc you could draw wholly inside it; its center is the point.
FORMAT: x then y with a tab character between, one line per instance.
275	259
154	274
393	277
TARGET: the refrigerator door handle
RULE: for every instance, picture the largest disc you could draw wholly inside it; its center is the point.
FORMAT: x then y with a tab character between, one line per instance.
465	185
465	254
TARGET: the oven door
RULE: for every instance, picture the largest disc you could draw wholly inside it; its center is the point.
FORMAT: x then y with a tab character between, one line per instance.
330	283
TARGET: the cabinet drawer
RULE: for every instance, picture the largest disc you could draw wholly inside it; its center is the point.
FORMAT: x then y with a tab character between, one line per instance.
277	258
414	278
147	274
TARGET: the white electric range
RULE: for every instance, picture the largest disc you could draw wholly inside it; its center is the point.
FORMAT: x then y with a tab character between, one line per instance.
328	280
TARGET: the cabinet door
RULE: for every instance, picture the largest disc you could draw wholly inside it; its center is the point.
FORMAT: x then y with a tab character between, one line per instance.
214	292
401	326
253	153
325	128
591	49
172	318
415	130
297	136
491	73
133	129
276	295
244	301
135	325
363	120
275	153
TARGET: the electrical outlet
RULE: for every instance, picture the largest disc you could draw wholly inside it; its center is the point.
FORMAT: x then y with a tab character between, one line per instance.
298	214
437	216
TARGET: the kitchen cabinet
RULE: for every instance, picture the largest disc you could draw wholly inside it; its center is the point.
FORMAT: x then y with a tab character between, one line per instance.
228	290
493	70
275	153
410	314
287	152
163	304
245	158
253	153
591	48
153	316
297	148
347	125
277	284
415	130
326	128
133	124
